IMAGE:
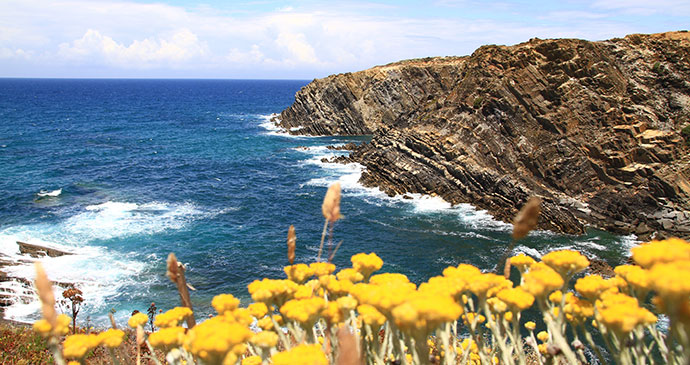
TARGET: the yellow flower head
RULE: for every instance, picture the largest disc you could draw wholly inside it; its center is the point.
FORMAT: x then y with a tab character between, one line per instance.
541	280
225	302
366	264
371	316
172	317
321	268
656	252
517	299
111	338
463	271
496	305
214	338
422	313
486	285
44	328
347	303
252	360
453	286
386	292
591	286
138	319
621	313
543	336
265	339
304	311
671	279
530	325
350	274
168	337
298	273
258	310
272	292
522	262
566	262
76	346
635	276
301	355
332	313
304	292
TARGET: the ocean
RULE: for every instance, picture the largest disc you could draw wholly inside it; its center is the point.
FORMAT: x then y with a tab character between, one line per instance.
123	172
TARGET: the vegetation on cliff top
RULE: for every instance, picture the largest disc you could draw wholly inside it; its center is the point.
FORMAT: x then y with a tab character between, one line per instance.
354	316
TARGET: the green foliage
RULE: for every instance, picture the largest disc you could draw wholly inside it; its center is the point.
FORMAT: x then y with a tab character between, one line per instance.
478	102
22	345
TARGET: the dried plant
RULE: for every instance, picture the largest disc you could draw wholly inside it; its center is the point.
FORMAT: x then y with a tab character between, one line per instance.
72	299
176	274
291	243
331	212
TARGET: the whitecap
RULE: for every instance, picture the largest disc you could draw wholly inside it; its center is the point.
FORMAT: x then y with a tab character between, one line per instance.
52	194
99	272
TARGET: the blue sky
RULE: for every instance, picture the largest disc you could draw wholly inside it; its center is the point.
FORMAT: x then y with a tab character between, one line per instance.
291	40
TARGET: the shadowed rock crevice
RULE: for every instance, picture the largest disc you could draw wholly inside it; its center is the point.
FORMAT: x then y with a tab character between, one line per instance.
594	128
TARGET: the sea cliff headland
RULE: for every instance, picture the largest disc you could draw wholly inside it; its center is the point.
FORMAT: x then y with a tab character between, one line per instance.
599	130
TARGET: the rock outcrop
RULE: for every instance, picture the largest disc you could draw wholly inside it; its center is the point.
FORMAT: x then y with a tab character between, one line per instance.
594	128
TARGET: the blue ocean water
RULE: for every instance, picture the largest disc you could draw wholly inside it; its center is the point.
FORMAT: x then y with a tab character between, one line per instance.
142	168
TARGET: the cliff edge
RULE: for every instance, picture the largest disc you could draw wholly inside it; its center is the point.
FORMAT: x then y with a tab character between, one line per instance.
599	130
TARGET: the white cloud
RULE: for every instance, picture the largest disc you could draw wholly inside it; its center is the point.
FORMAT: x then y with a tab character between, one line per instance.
181	46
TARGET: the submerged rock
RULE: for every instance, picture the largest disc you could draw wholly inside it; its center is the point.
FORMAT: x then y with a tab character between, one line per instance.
593	128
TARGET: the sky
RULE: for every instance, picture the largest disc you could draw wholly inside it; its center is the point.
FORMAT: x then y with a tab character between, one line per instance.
300	39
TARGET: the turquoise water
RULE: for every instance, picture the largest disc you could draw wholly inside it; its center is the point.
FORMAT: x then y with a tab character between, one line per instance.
194	167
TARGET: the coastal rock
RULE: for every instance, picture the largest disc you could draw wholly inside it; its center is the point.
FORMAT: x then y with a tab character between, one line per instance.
39	251
593	128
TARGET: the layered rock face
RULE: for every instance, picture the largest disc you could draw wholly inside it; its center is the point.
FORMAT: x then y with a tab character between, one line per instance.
594	128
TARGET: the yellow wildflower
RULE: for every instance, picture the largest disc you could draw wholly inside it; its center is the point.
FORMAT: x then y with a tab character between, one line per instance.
265	323
172	317
517	299
347	303
370	315
239	315
76	346
252	360
496	305
298	273
304	311
366	264
543	336
272	292
214	338
541	280
44	328
471	317
332	313
167	337
530	325
225	302
655	252
522	262
671	279
111	338
301	355
321	268
486	285
138	319
304	292
634	275
350	274
621	313
258	310
591	286
566	262
265	339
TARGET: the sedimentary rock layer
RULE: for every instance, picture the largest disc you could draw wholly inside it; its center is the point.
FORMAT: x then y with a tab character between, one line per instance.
594	128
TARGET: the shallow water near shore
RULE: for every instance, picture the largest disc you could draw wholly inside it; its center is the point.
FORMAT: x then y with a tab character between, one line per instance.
148	167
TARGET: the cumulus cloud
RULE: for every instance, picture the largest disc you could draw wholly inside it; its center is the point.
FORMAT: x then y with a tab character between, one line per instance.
181	46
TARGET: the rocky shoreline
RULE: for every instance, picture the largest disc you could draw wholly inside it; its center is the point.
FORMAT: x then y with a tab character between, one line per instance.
19	288
599	130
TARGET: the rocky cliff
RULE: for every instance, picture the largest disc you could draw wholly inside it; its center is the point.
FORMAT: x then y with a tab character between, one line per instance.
594	128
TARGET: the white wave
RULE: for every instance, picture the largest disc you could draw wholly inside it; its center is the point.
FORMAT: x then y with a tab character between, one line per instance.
628	242
534	253
100	273
54	193
592	245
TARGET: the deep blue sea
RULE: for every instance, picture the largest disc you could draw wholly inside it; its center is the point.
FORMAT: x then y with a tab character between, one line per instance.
142	168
